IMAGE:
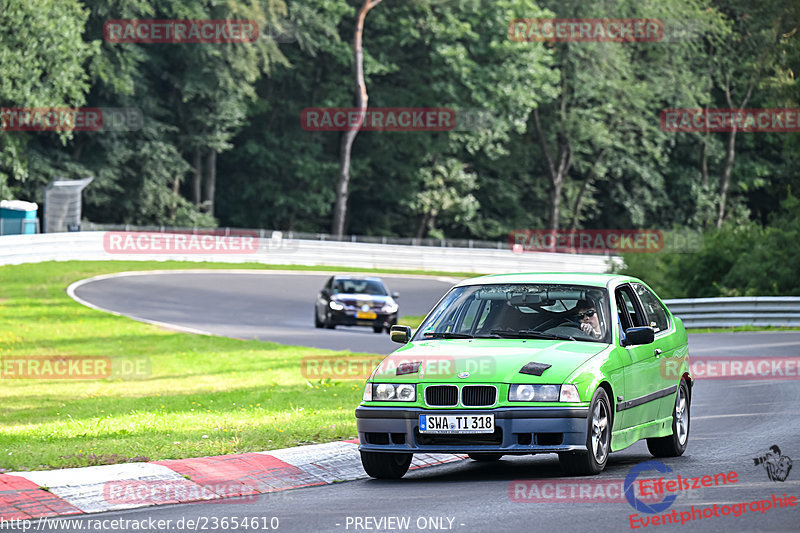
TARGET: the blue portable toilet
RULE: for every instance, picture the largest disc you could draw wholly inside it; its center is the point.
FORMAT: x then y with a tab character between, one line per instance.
18	217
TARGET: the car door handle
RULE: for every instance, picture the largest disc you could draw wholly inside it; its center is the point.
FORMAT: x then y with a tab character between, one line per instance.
657	352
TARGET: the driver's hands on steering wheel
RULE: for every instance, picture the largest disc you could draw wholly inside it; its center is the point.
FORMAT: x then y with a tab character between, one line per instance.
589	330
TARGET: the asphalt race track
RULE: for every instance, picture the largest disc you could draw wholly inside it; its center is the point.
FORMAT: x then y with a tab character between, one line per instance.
260	305
733	422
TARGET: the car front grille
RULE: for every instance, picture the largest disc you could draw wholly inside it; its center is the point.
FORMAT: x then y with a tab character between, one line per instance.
441	395
478	395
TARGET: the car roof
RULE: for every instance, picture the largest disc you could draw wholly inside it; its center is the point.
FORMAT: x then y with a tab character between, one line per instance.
580	278
357	278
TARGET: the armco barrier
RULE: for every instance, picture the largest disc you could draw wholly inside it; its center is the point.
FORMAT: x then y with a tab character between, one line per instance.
737	311
88	246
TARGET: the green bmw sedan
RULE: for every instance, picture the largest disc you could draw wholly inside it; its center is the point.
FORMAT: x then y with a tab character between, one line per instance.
580	365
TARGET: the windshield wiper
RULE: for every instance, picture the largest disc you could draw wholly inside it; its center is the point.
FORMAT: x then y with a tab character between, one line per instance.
530	334
446	335
453	335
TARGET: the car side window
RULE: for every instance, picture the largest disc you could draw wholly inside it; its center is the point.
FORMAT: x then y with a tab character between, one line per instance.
656	314
629	315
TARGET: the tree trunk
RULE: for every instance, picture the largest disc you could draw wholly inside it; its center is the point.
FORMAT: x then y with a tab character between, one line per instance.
730	155
725	181
197	178
576	211
346	146
211	181
556	174
423	225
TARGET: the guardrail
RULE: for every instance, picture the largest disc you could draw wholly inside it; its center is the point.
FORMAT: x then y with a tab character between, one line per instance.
737	311
89	246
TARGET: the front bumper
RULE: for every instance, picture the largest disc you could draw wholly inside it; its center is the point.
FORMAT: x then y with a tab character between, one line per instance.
349	318
518	430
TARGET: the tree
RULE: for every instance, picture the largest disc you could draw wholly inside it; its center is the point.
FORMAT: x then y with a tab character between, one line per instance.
340	211
42	58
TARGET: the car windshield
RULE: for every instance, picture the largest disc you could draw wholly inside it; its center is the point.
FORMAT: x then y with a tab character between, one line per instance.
527	311
359	286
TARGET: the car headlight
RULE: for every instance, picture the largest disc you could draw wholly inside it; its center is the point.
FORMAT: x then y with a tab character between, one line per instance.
336	306
390	392
389	308
533	393
569	393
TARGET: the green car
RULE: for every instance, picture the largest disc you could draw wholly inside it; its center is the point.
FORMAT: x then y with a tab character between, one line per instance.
575	364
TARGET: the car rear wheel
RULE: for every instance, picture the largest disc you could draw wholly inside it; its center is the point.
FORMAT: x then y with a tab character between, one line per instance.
485	457
675	444
598	440
385	465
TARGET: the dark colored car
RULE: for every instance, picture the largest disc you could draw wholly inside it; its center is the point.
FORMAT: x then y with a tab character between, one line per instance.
355	301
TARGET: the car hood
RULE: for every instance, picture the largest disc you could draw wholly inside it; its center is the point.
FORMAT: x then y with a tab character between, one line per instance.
486	360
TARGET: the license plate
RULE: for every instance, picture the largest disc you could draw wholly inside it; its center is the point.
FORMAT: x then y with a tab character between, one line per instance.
367	315
456	423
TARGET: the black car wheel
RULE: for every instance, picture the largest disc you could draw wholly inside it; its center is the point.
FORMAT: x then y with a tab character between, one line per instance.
317	322
598	440
329	322
674	445
385	465
377	329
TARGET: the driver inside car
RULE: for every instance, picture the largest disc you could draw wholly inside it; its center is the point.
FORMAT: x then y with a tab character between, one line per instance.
587	317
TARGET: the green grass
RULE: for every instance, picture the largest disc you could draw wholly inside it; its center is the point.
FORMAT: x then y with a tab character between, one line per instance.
740	328
412	321
200	395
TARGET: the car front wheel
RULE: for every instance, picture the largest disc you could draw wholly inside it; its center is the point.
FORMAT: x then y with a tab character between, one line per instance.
385	465
674	445
598	440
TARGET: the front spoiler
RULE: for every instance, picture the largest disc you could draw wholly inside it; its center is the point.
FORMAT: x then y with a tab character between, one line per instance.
570	422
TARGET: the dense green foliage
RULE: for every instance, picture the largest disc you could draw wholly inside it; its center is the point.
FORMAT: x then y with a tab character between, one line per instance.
736	260
569	135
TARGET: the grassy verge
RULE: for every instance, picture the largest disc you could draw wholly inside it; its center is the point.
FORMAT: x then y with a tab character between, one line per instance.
740	328
194	395
412	321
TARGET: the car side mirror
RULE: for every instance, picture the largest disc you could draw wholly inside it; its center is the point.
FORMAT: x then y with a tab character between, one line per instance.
400	334
395	295
639	335
325	292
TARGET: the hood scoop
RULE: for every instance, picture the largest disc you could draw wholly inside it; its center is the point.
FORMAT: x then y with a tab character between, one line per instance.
534	369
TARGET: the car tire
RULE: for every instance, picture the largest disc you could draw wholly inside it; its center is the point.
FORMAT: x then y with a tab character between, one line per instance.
378	329
598	440
385	465
317	321
674	445
485	457
329	322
